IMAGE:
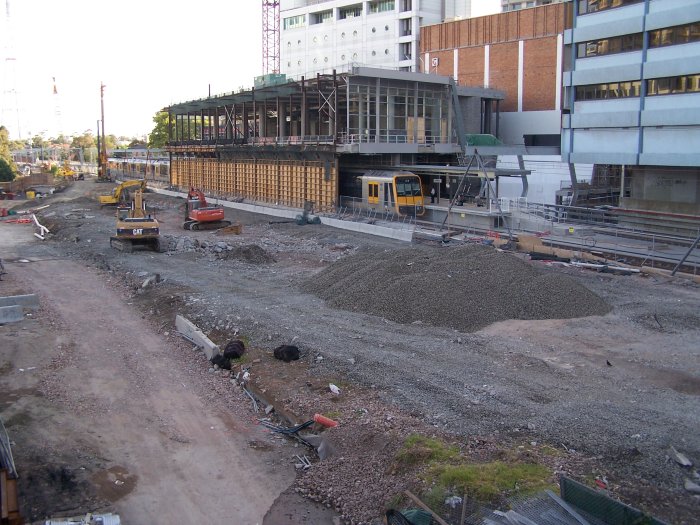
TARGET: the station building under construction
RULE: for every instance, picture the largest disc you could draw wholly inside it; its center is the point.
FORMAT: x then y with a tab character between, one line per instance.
290	142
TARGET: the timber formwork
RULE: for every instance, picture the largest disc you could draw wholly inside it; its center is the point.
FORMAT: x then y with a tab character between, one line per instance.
272	180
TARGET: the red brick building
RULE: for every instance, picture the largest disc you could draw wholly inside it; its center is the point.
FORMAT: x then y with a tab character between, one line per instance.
518	52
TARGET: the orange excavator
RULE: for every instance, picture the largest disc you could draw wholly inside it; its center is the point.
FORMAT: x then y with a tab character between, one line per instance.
200	216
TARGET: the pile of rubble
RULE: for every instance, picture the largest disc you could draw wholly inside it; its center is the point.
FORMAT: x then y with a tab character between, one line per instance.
250	253
465	288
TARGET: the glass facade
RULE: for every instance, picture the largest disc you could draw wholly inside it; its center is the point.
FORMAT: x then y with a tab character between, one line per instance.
397	112
608	91
379	6
673	85
610	46
676	35
593	6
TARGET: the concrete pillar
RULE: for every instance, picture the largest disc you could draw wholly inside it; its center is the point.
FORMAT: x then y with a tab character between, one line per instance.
281	119
303	109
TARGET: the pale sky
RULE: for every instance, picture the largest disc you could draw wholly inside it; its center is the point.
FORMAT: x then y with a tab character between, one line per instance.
148	53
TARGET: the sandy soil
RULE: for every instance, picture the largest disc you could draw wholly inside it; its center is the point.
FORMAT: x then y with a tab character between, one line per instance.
511	383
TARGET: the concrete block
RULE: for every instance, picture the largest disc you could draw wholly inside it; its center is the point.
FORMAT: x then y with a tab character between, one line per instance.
26	301
11	314
190	332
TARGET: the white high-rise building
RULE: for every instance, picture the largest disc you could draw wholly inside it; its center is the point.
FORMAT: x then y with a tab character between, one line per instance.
318	36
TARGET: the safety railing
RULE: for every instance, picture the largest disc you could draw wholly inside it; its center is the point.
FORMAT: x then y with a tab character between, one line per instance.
357	209
368	138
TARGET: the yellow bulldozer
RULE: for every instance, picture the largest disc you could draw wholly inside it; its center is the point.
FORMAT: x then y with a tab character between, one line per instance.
121	193
136	227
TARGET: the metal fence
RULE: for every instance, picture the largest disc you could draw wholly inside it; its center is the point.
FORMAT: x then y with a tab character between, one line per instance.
355	208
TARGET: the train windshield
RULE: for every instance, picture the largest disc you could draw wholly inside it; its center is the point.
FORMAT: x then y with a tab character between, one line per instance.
407	187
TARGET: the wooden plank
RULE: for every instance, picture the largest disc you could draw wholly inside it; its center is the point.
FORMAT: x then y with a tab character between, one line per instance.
423	506
4	504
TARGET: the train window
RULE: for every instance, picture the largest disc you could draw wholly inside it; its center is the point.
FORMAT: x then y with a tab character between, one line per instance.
373	192
407	187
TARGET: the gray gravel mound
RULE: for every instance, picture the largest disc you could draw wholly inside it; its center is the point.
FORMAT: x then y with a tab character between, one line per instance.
465	288
250	253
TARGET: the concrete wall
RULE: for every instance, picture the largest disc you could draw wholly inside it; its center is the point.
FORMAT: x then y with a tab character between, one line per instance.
673	190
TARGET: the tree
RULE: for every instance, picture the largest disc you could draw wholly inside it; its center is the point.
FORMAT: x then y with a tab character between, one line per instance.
111	141
159	136
39	142
5	152
5	144
7	174
84	141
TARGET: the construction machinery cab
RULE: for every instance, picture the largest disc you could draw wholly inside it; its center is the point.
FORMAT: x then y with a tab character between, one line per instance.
199	215
136	227
121	193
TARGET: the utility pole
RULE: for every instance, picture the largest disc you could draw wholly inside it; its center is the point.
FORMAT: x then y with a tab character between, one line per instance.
102	170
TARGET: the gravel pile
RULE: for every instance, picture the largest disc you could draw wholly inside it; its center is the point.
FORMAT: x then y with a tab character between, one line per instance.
465	288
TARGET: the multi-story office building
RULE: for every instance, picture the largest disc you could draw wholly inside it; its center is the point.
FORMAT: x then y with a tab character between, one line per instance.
632	97
515	5
319	36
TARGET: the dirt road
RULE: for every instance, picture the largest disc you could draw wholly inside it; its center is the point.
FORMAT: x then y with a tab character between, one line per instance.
106	413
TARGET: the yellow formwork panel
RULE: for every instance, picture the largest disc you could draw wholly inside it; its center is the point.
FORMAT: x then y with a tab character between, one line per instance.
283	182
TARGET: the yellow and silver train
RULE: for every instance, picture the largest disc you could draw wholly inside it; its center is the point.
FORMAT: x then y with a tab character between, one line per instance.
397	191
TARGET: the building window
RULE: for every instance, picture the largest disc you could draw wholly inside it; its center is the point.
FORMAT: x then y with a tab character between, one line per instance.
405	27
349	11
405	51
610	46
406	5
320	17
671	36
386	51
380	6
386	28
592	6
294	21
374	53
374	30
673	85
613	90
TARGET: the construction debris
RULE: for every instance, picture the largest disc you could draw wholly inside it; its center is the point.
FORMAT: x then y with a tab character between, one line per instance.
88	519
286	353
681	459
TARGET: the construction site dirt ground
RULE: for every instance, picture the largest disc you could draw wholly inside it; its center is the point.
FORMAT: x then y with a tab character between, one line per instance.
109	409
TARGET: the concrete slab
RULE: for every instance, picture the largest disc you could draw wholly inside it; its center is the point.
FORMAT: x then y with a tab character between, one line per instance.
190	332
26	301
11	314
399	234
